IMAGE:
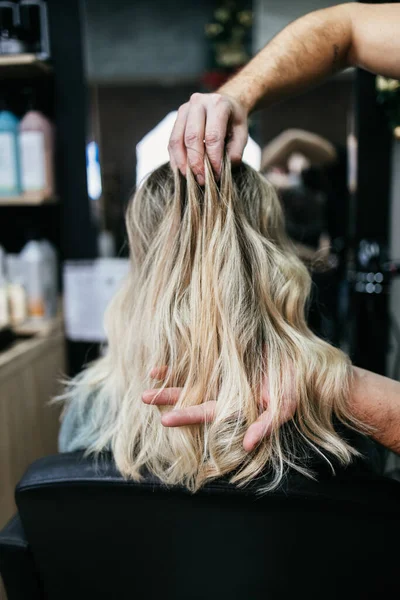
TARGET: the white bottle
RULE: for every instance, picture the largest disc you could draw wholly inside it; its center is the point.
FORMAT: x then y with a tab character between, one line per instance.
36	147
2	259
51	278
4	312
35	266
106	244
16	289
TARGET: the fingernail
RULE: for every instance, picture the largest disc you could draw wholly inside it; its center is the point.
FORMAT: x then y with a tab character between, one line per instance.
147	396
157	374
200	179
248	445
165	420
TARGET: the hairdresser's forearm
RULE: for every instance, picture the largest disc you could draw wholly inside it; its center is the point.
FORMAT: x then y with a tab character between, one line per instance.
375	401
303	54
316	46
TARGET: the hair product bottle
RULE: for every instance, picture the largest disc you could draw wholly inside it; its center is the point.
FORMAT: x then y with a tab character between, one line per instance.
10	181
4	313
106	244
35	268
51	278
36	145
16	289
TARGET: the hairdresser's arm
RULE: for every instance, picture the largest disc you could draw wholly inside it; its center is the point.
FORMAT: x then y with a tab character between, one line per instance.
303	54
375	401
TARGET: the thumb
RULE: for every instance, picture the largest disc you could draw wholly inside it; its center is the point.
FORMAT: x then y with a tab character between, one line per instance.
257	431
263	426
236	142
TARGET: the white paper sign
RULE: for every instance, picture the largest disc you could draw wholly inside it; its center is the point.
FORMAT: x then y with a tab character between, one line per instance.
88	288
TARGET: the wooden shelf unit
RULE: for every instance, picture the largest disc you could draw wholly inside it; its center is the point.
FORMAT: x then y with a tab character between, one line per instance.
23	65
30	200
30	373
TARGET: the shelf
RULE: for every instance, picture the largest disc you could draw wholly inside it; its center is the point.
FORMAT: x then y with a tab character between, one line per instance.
33	327
22	65
27	200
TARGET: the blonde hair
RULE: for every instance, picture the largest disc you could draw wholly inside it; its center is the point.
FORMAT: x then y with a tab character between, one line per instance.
217	293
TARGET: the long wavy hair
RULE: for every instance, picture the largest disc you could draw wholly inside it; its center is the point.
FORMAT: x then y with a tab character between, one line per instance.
217	293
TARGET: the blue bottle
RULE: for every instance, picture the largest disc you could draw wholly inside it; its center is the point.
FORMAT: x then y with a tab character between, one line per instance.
10	175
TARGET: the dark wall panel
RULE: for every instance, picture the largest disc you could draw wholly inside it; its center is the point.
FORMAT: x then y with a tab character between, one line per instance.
146	39
323	110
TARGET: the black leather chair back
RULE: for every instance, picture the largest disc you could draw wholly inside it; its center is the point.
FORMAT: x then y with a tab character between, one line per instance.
93	535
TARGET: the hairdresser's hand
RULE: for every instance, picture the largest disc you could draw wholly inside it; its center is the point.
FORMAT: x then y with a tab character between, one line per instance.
207	123
204	413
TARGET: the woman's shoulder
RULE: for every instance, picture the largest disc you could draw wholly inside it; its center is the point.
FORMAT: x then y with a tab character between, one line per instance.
76	431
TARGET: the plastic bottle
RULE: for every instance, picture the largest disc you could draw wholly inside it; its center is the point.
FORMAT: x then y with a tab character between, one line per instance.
36	146
51	278
10	181
36	279
2	258
106	244
16	289
4	312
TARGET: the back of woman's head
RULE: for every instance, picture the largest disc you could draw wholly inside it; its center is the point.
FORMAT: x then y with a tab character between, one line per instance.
217	293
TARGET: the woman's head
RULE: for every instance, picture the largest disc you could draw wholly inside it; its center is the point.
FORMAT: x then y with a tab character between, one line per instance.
217	293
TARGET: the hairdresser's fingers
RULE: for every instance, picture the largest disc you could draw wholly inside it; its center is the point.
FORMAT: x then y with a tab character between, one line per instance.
265	392
192	415
194	137
256	431
176	145
168	396
159	373
288	411
219	111
262	427
238	136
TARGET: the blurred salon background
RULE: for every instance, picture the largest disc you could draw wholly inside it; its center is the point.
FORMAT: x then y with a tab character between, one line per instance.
88	96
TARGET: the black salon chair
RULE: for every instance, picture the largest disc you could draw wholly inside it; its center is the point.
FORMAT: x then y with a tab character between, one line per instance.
82	532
